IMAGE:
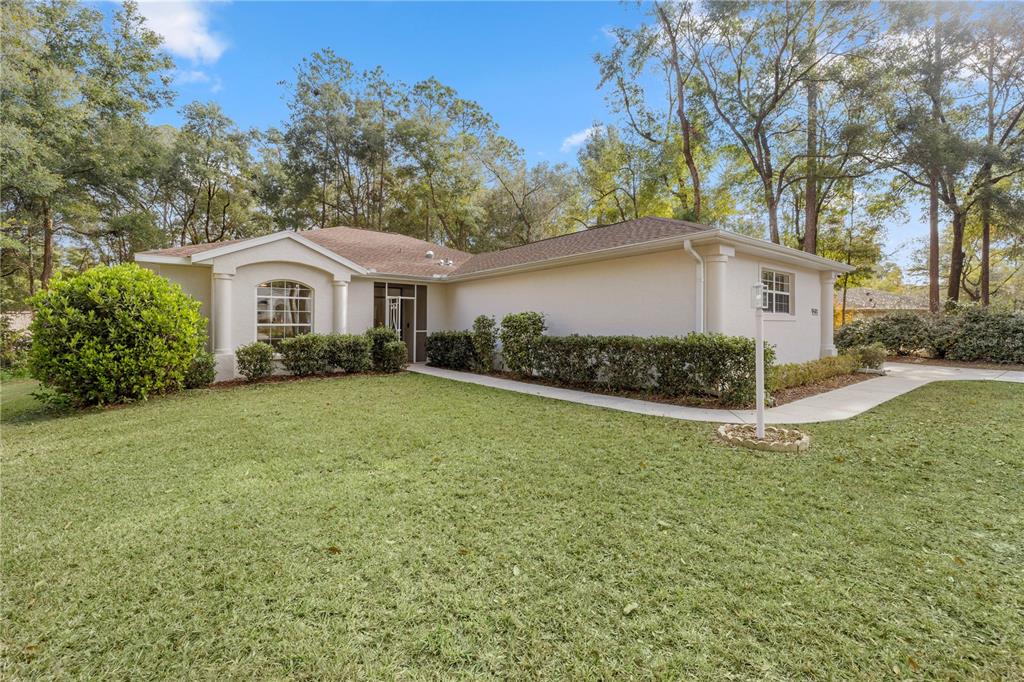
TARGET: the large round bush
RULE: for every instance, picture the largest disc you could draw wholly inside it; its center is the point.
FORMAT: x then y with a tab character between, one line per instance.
113	334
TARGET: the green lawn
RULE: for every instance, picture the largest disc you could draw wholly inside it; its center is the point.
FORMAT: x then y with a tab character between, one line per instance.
404	526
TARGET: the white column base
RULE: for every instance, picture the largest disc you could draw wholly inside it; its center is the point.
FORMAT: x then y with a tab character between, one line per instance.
224	364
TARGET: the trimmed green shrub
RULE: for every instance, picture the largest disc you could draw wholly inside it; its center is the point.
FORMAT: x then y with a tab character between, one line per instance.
871	356
453	350
851	334
347	352
485	340
379	338
573	360
304	355
628	363
113	334
795	374
708	364
985	334
900	332
393	357
966	333
694	365
518	333
255	360
202	371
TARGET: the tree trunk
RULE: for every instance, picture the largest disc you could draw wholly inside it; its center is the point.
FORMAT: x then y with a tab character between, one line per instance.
684	122
811	198
933	177
773	219
956	256
47	272
986	240
986	197
933	244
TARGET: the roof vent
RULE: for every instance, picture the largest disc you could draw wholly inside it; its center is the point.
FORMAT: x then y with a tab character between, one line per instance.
430	254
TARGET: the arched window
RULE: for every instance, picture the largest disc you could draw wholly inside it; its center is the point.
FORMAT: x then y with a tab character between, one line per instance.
283	309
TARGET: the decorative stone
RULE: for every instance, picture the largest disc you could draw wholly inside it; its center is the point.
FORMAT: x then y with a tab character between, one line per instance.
776	438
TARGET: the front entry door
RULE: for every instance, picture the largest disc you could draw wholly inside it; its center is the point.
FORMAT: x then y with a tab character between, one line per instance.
400	316
403	307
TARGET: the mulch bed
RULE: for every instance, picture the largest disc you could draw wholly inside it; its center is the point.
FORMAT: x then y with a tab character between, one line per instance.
788	395
917	360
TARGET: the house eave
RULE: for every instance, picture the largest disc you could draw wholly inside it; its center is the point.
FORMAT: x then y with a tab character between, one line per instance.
651	246
165	260
745	244
760	247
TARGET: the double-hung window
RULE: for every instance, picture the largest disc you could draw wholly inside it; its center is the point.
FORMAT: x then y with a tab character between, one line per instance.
778	291
283	309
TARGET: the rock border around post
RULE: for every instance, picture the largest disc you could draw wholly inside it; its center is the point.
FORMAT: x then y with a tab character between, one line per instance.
776	439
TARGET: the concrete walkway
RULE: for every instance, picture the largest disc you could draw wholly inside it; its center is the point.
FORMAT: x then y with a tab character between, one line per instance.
841	403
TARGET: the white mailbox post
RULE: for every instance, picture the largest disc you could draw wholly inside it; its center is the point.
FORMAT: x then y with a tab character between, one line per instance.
757	302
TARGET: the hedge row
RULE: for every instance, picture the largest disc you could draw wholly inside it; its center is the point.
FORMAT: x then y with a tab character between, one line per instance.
694	365
380	349
970	333
701	365
471	351
796	374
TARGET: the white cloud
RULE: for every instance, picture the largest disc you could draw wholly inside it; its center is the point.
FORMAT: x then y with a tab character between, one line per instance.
185	29
197	77
193	76
579	138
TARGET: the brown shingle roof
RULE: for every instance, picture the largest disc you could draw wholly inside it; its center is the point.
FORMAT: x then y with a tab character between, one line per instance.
384	252
625	233
388	252
391	253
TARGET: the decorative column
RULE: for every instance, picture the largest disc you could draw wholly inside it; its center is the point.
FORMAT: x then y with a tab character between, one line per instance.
826	309
222	313
716	261
340	307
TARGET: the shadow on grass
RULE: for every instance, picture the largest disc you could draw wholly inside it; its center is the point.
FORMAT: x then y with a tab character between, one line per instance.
19	404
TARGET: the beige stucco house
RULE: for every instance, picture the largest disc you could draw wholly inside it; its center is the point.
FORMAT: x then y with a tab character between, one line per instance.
647	277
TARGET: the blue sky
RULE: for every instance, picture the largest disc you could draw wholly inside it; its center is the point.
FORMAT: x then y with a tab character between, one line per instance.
529	64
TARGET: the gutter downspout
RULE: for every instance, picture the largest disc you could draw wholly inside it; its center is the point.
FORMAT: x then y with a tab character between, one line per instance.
700	285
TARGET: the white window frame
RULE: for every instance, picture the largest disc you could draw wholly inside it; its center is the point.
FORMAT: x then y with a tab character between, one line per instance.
256	307
770	293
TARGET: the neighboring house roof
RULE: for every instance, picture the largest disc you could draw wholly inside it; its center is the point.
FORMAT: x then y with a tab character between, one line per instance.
396	254
863	298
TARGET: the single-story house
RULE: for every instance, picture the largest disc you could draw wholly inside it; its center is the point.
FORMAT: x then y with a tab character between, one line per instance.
647	277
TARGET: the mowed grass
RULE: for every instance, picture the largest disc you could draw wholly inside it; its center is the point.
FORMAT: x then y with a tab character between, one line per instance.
408	527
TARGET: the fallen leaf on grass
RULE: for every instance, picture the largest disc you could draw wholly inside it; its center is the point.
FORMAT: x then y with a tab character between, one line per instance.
630	608
334	550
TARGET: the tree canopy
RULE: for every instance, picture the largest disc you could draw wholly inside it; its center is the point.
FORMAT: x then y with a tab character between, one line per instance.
811	123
